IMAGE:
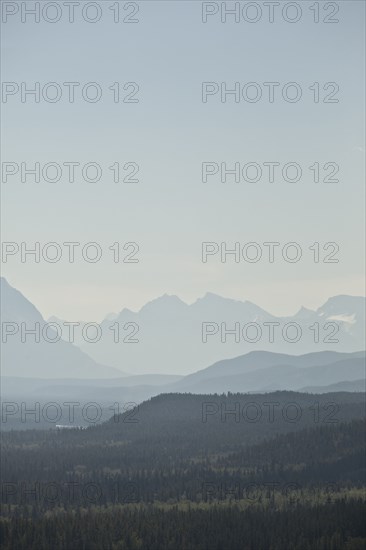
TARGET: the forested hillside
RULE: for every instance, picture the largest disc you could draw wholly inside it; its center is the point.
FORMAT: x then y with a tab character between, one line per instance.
221	471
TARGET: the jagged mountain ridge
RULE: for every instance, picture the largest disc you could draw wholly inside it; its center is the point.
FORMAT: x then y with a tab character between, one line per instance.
174	339
169	336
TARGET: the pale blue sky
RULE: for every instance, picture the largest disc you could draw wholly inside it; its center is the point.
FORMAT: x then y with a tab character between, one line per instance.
170	133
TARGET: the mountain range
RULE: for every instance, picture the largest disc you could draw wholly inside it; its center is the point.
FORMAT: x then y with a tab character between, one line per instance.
170	339
177	338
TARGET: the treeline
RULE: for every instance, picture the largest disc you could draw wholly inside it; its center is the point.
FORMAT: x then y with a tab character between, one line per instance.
336	526
48	475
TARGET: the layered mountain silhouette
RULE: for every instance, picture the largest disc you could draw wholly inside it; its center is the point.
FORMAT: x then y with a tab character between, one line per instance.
176	338
257	371
170	337
266	371
43	358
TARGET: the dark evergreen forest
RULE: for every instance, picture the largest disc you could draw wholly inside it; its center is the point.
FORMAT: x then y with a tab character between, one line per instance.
273	471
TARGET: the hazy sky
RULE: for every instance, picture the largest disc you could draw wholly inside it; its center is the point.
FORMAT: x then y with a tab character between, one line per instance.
169	133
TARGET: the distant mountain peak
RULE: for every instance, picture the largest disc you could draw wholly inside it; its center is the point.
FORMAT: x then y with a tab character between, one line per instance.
343	298
41	358
212	297
164	301
111	316
343	304
304	312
